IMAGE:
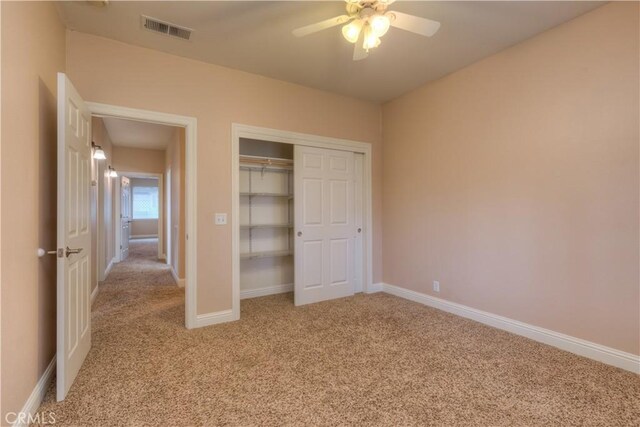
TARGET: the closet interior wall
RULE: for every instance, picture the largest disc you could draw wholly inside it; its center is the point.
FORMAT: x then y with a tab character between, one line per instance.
266	218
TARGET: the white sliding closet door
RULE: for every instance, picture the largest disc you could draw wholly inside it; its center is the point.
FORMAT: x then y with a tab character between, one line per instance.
324	224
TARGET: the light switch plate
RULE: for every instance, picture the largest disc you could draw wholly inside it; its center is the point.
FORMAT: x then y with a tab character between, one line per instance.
221	218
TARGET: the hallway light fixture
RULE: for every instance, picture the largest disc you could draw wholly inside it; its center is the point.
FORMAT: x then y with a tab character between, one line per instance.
98	152
112	172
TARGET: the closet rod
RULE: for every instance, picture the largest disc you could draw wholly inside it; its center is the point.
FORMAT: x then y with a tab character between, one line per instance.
264	168
265	161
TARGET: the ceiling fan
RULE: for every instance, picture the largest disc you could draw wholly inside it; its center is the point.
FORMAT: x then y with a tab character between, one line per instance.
368	20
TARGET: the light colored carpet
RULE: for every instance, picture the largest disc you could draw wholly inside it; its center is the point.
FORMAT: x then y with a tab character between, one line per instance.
365	360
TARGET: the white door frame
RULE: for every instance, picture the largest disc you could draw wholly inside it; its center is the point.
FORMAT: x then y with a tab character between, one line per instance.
167	200
190	125
118	223
265	134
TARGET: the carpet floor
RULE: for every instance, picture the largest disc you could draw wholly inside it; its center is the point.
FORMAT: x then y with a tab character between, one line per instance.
364	360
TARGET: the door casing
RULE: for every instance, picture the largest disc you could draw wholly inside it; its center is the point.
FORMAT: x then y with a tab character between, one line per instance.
190	125
285	137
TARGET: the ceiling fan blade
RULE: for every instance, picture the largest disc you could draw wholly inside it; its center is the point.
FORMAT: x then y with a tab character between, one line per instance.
322	25
423	26
359	52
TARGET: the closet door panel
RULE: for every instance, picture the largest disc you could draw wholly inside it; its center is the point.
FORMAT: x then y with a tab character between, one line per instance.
312	195
324	224
340	260
338	202
313	256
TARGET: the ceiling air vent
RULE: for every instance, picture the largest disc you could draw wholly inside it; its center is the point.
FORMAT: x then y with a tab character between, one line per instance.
166	28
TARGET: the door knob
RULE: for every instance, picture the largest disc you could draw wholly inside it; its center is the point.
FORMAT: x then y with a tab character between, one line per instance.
70	251
299	233
359	230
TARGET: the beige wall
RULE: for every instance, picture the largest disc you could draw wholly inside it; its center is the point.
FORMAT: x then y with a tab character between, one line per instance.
144	227
514	182
115	73
127	159
33	51
103	233
175	162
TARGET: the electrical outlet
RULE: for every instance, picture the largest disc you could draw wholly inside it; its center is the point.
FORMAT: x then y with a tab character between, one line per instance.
436	286
221	218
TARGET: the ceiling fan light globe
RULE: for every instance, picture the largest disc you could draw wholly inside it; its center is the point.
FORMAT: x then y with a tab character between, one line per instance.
380	25
351	31
371	40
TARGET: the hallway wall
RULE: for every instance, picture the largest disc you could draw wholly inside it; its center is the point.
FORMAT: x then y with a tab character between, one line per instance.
175	162
33	52
128	159
104	216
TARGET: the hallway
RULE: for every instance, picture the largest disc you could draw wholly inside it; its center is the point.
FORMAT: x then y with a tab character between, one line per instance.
137	308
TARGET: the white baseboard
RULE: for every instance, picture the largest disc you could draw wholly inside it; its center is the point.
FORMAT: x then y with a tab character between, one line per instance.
591	350
180	282
94	294
109	267
144	236
269	290
214	318
35	399
375	287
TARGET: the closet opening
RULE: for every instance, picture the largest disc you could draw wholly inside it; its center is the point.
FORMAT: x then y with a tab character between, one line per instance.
301	218
266	218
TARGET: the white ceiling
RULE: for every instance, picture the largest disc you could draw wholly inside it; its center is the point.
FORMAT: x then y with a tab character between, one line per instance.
130	133
256	37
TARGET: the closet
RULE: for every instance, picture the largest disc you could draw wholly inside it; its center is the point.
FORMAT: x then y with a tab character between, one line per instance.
301	212
266	218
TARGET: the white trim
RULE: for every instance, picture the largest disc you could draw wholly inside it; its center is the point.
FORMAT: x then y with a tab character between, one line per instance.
591	350
179	281
214	318
94	293
190	124
146	236
35	398
375	287
265	134
269	290
109	267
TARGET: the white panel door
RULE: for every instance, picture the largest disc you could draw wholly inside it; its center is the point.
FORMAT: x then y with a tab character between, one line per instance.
125	217
324	224
74	235
358	273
